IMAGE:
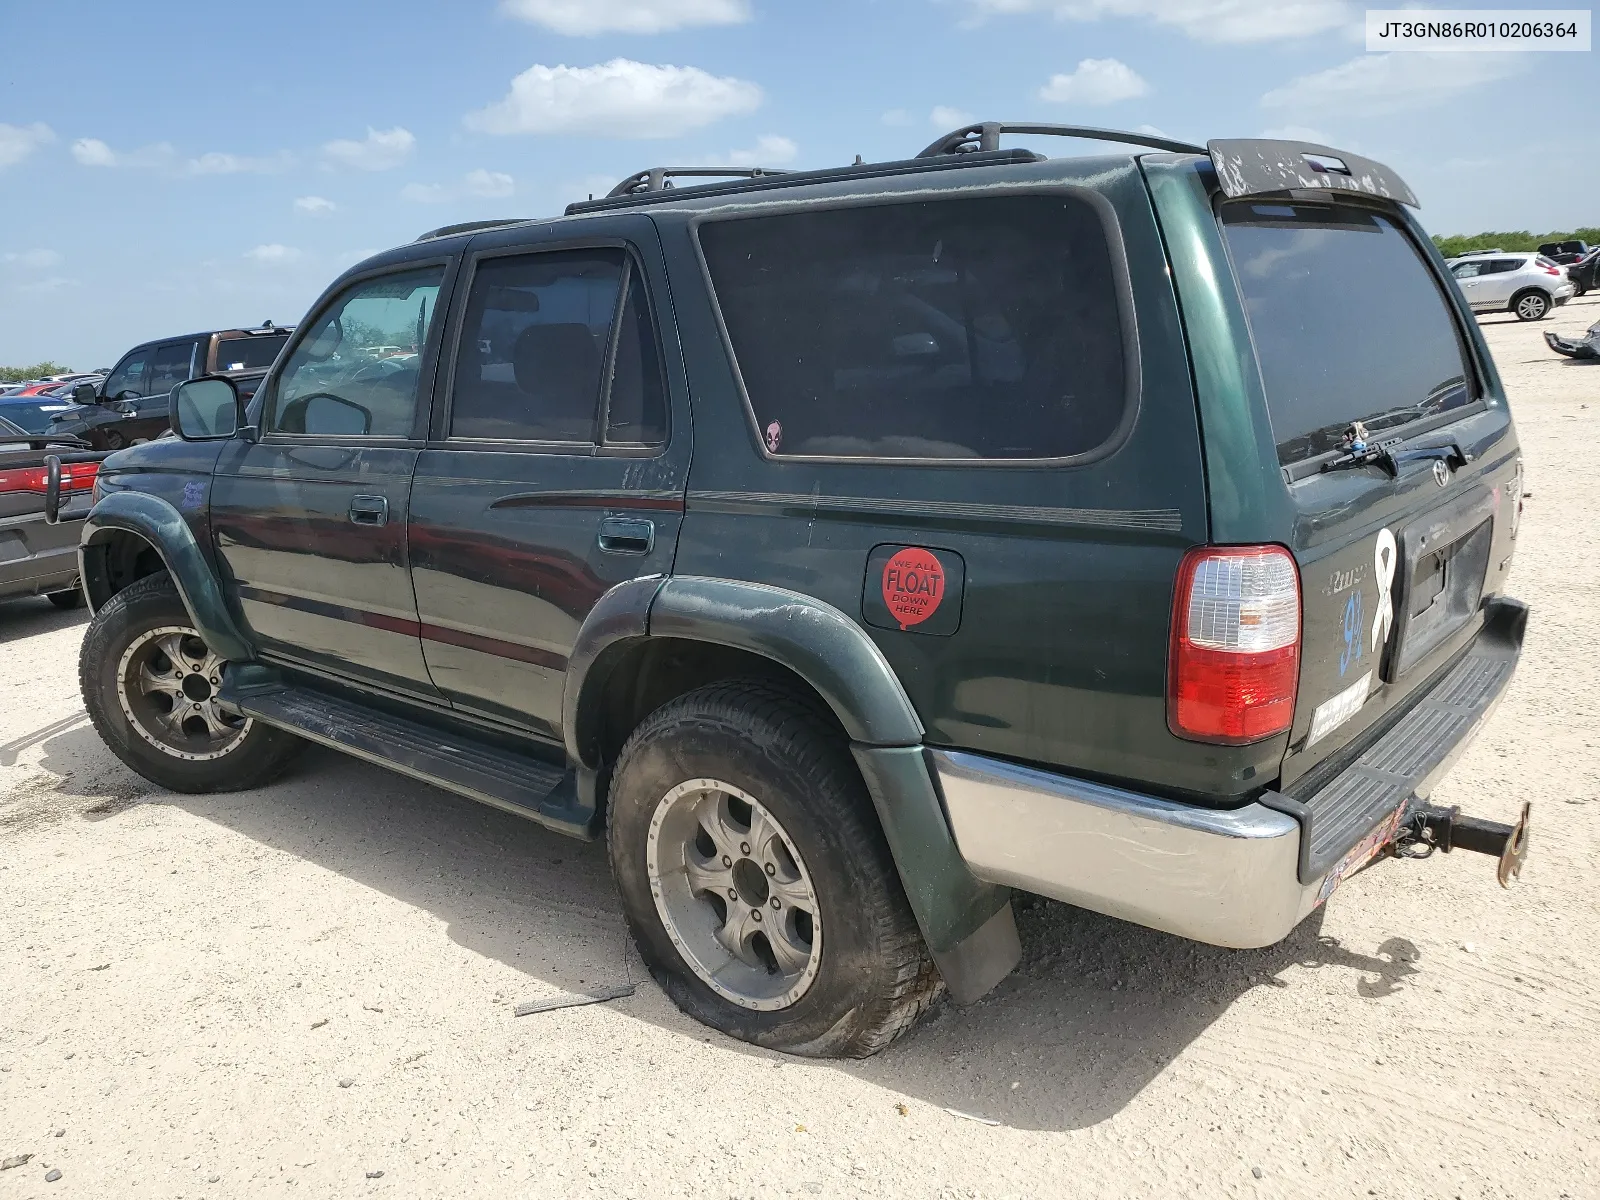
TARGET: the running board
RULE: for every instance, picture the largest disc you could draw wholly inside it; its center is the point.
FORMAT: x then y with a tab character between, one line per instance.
448	757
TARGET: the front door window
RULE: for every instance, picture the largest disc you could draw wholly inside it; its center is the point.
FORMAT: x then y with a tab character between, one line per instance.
357	372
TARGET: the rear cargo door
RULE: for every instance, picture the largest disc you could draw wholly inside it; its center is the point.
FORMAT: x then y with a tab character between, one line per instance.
1352	323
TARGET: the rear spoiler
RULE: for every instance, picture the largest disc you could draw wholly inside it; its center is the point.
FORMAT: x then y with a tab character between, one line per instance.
1264	167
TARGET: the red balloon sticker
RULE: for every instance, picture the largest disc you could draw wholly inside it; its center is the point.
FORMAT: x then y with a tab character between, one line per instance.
913	586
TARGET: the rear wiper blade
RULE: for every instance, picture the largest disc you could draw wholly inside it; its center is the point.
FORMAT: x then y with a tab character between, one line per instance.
1390	455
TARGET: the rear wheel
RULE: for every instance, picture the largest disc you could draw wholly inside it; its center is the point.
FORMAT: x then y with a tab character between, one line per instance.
756	879
150	685
113	439
1531	306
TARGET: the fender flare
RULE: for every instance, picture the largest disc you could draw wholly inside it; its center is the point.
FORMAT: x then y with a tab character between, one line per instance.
966	923
809	636
157	522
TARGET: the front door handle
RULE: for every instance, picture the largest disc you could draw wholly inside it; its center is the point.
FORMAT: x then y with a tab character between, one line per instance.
369	510
627	535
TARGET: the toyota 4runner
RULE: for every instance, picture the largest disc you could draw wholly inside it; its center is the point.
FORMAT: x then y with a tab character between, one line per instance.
851	547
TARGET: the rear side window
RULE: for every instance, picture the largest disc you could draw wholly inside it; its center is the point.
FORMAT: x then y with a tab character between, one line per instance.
1348	323
538	349
249	353
945	329
170	367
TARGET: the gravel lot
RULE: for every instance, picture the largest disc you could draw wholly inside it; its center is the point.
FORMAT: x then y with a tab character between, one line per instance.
291	991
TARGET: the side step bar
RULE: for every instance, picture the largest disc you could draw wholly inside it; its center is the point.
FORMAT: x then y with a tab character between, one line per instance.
454	760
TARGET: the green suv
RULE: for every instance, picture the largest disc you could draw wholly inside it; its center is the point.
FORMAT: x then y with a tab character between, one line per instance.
852	547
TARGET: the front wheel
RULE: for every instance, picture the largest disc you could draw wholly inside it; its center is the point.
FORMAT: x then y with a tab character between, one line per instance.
1531	306
150	685
756	880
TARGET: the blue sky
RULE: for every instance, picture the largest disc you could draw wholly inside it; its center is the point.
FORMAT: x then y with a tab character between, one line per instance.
180	166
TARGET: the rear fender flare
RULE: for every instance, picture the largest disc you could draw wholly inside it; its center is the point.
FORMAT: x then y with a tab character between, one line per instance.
160	524
966	923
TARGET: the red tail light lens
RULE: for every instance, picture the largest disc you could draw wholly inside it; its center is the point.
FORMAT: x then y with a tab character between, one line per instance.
1235	659
1554	271
75	477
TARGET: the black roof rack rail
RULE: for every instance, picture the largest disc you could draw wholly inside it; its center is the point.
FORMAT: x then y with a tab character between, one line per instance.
985	135
467	227
659	179
771	180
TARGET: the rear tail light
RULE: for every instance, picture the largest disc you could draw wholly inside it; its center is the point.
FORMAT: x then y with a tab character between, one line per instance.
1554	271
1235	659
75	477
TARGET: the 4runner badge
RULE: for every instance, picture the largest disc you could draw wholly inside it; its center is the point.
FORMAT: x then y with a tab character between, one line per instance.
913	589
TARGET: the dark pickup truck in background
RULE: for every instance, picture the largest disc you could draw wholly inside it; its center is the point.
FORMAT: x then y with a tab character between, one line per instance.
39	555
131	404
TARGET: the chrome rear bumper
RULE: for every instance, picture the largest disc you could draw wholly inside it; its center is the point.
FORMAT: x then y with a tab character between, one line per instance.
1232	877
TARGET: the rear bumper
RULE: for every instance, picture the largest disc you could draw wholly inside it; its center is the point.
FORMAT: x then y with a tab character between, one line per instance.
1572	347
1238	877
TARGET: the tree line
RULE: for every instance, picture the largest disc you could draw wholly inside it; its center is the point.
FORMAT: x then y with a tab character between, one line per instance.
1459	243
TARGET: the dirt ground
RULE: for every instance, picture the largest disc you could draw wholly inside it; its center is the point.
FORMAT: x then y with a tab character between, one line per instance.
309	989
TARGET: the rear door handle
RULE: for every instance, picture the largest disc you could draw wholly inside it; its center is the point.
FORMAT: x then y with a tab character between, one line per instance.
369	510
627	535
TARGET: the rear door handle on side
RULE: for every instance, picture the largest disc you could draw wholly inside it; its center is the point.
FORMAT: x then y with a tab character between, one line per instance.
627	535
369	510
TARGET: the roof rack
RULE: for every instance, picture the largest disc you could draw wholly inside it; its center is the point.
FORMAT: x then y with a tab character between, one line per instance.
770	179
659	179
467	227
985	135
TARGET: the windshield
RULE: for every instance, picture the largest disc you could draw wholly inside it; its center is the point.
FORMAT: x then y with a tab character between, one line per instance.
1348	322
249	353
34	414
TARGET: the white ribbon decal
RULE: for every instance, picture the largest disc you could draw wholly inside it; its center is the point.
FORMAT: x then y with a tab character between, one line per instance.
1383	563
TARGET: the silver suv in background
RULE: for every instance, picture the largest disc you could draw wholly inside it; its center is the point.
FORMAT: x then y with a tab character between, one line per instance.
1529	285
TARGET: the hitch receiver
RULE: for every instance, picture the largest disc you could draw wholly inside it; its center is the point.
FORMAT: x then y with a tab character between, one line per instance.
1427	828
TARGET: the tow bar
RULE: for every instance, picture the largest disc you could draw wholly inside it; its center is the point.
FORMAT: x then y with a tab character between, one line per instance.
1427	827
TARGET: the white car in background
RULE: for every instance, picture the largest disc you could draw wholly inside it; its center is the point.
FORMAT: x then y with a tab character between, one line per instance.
1527	284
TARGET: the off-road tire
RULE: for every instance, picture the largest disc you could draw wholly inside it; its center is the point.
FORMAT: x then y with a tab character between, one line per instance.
875	978
1536	312
151	603
112	439
71	598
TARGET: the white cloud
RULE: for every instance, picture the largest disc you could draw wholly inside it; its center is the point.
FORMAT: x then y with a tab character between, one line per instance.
770	150
1302	133
92	152
380	150
217	163
945	117
583	18
273	253
486	185
1379	84
314	205
32	260
1204	20
621	98
1095	81
897	116
19	141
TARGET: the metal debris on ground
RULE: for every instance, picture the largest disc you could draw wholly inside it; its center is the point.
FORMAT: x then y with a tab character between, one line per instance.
966	1116
598	995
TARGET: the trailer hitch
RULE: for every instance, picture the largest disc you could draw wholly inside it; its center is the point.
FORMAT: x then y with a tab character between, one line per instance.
1427	827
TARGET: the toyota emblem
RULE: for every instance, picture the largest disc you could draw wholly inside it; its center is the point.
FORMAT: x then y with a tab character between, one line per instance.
1441	472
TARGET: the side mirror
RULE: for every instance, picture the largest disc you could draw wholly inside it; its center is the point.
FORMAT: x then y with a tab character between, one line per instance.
207	409
84	393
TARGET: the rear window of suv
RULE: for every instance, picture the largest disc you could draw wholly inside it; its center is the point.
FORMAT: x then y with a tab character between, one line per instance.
1349	323
944	329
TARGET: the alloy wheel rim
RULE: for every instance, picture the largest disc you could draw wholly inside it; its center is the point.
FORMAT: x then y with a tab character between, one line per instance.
734	895
167	681
1531	306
